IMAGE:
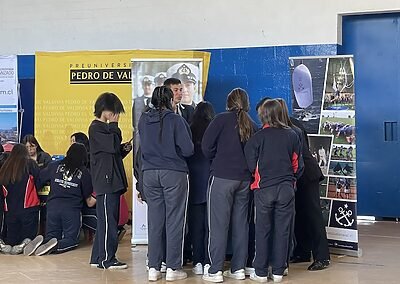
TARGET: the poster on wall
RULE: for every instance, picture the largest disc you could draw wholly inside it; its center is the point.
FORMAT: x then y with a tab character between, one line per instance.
67	85
8	101
324	101
146	75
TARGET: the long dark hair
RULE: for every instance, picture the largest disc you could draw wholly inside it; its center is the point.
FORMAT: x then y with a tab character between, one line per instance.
285	113
270	113
202	116
161	100
238	100
76	157
15	166
32	140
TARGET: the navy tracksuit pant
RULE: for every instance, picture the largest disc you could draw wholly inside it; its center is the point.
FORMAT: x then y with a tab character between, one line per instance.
64	224
105	243
198	228
21	226
228	202
166	194
274	217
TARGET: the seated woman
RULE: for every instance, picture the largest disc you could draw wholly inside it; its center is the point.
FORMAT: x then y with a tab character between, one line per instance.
70	185
36	152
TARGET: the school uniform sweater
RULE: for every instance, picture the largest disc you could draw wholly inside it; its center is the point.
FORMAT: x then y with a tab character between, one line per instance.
21	196
67	190
221	144
175	145
106	153
273	156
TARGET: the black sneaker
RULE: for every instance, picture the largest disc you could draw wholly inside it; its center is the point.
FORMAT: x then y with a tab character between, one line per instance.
319	265
18	249
33	245
117	266
47	247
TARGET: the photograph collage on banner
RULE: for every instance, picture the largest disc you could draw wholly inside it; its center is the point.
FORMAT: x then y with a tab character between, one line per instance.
324	101
8	101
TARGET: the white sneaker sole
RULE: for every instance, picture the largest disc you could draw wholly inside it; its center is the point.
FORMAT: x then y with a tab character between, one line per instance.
174	278
219	279
154	278
259	279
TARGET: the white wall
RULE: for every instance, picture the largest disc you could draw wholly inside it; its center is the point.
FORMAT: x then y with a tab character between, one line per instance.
27	26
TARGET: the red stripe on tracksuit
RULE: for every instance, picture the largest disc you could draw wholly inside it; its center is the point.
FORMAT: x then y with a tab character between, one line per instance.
257	178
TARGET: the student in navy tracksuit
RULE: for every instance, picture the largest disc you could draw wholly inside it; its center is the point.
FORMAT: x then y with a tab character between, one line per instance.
199	173
165	142
18	181
228	193
71	186
273	156
108	178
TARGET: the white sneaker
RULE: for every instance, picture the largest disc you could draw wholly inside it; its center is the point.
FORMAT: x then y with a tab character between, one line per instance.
238	274
286	272
154	274
173	275
276	278
206	268
163	267
249	270
261	279
216	277
198	269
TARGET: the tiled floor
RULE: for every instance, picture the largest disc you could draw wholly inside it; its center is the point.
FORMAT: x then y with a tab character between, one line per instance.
380	263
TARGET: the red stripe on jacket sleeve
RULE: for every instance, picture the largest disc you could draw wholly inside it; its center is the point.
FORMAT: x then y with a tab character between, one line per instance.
295	162
257	178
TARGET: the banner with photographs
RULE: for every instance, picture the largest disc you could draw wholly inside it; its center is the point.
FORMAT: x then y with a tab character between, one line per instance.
8	101
324	101
146	75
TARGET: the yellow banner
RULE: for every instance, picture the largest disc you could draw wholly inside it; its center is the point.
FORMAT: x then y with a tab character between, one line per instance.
68	83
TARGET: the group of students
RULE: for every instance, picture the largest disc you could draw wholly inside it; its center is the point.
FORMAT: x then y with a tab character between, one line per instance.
216	173
230	181
71	199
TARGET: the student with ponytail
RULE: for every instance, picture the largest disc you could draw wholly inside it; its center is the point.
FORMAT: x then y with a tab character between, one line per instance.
228	194
273	155
165	143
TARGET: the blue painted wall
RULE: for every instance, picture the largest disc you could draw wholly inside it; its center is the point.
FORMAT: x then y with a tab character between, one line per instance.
26	77
375	41
262	71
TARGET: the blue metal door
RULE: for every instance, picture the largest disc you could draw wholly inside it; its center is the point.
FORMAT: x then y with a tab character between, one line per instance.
374	41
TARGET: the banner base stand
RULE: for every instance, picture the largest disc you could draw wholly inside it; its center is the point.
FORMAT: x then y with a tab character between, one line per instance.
353	253
135	242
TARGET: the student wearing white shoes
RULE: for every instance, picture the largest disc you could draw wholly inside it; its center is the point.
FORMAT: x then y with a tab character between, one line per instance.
199	174
19	183
228	193
273	156
165	143
71	186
